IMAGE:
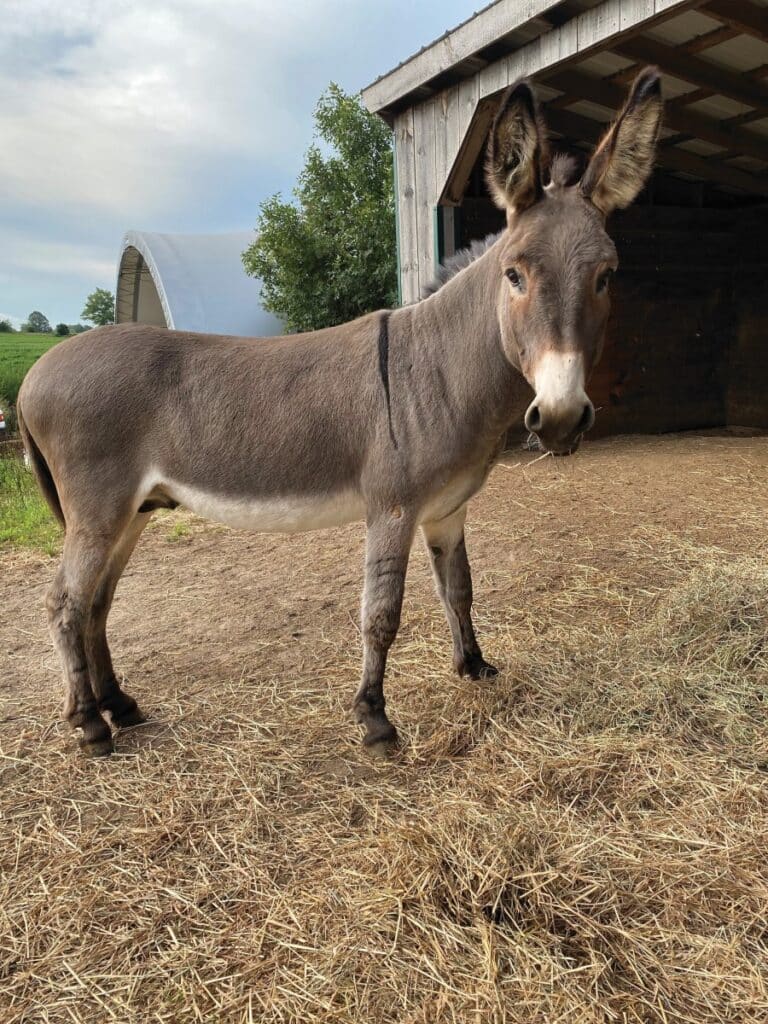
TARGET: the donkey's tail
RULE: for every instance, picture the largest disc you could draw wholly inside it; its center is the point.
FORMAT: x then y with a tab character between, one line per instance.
40	467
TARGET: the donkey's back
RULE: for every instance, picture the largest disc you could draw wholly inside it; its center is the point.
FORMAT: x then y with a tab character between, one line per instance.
137	408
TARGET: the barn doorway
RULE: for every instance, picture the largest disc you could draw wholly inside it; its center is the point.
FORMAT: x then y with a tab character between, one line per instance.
137	300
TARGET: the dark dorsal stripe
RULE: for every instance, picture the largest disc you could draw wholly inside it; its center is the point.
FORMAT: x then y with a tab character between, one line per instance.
384	367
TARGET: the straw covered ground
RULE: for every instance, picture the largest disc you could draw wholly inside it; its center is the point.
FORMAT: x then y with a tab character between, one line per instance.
584	838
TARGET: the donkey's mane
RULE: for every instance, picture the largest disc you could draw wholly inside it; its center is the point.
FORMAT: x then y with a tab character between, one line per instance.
456	263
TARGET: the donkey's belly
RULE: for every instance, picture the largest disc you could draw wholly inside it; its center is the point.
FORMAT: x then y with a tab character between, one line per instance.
289	514
455	493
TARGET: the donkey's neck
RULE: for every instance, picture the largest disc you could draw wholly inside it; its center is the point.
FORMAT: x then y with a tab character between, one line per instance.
456	340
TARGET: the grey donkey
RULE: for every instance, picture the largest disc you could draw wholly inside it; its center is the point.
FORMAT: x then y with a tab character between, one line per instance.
395	418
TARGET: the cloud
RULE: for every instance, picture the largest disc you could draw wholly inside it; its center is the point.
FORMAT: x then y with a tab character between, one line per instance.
170	115
136	94
62	259
42	272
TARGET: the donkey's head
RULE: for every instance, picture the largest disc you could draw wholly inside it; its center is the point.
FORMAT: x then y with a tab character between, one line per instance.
556	258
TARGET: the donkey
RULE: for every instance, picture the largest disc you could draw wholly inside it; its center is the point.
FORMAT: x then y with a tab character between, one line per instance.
395	418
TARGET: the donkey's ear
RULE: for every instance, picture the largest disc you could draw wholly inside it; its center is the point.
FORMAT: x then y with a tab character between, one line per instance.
623	161
515	150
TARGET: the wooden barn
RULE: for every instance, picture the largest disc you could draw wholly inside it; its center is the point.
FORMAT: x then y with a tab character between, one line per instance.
688	342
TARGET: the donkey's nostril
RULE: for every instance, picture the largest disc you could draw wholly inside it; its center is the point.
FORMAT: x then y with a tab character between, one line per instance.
587	418
533	418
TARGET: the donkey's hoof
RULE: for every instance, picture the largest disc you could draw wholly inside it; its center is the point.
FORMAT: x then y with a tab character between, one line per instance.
381	742
121	710
97	748
133	716
476	667
380	750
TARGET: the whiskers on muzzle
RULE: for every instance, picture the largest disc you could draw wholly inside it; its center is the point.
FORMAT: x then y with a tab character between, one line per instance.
561	413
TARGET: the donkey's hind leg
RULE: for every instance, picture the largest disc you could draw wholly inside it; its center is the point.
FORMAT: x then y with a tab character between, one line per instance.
87	552
110	698
453	579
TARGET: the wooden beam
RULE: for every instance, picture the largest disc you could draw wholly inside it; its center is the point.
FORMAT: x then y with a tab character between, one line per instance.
675	140
451	49
696	45
740	15
578	127
740	119
755	75
470	145
405	197
750	115
709	39
722	160
689	98
578	86
694	70
698	167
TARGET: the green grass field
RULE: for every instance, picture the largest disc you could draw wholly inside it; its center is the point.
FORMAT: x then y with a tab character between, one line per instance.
25	519
17	353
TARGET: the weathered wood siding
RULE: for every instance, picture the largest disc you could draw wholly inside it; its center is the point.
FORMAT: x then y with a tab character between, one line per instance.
427	138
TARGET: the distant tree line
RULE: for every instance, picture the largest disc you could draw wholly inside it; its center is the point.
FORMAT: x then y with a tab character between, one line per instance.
99	310
38	323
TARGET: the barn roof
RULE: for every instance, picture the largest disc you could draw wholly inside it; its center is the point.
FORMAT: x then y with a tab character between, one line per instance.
194	282
496	29
582	53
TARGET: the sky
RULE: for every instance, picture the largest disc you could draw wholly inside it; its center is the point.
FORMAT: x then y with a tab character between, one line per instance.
166	115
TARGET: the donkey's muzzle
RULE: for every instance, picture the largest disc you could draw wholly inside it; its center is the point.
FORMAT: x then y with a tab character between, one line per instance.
559	427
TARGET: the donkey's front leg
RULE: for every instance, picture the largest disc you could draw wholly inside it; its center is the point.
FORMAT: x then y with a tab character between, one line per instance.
388	545
453	579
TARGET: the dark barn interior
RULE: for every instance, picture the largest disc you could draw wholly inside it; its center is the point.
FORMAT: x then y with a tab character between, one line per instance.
686	342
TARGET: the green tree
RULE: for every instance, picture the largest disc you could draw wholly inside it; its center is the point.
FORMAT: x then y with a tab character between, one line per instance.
36	324
62	330
330	257
99	308
6	327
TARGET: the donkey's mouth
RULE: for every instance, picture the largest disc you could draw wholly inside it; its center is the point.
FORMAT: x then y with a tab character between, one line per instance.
561	452
534	443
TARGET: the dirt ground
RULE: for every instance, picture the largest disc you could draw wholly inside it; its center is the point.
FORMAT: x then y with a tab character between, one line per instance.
243	650
212	604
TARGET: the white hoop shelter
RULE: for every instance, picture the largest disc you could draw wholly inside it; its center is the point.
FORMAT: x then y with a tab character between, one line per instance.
191	283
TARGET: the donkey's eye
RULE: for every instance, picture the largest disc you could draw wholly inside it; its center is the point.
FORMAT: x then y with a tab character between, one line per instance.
603	281
514	277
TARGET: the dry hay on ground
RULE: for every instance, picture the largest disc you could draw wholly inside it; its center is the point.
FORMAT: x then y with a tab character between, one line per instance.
583	839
